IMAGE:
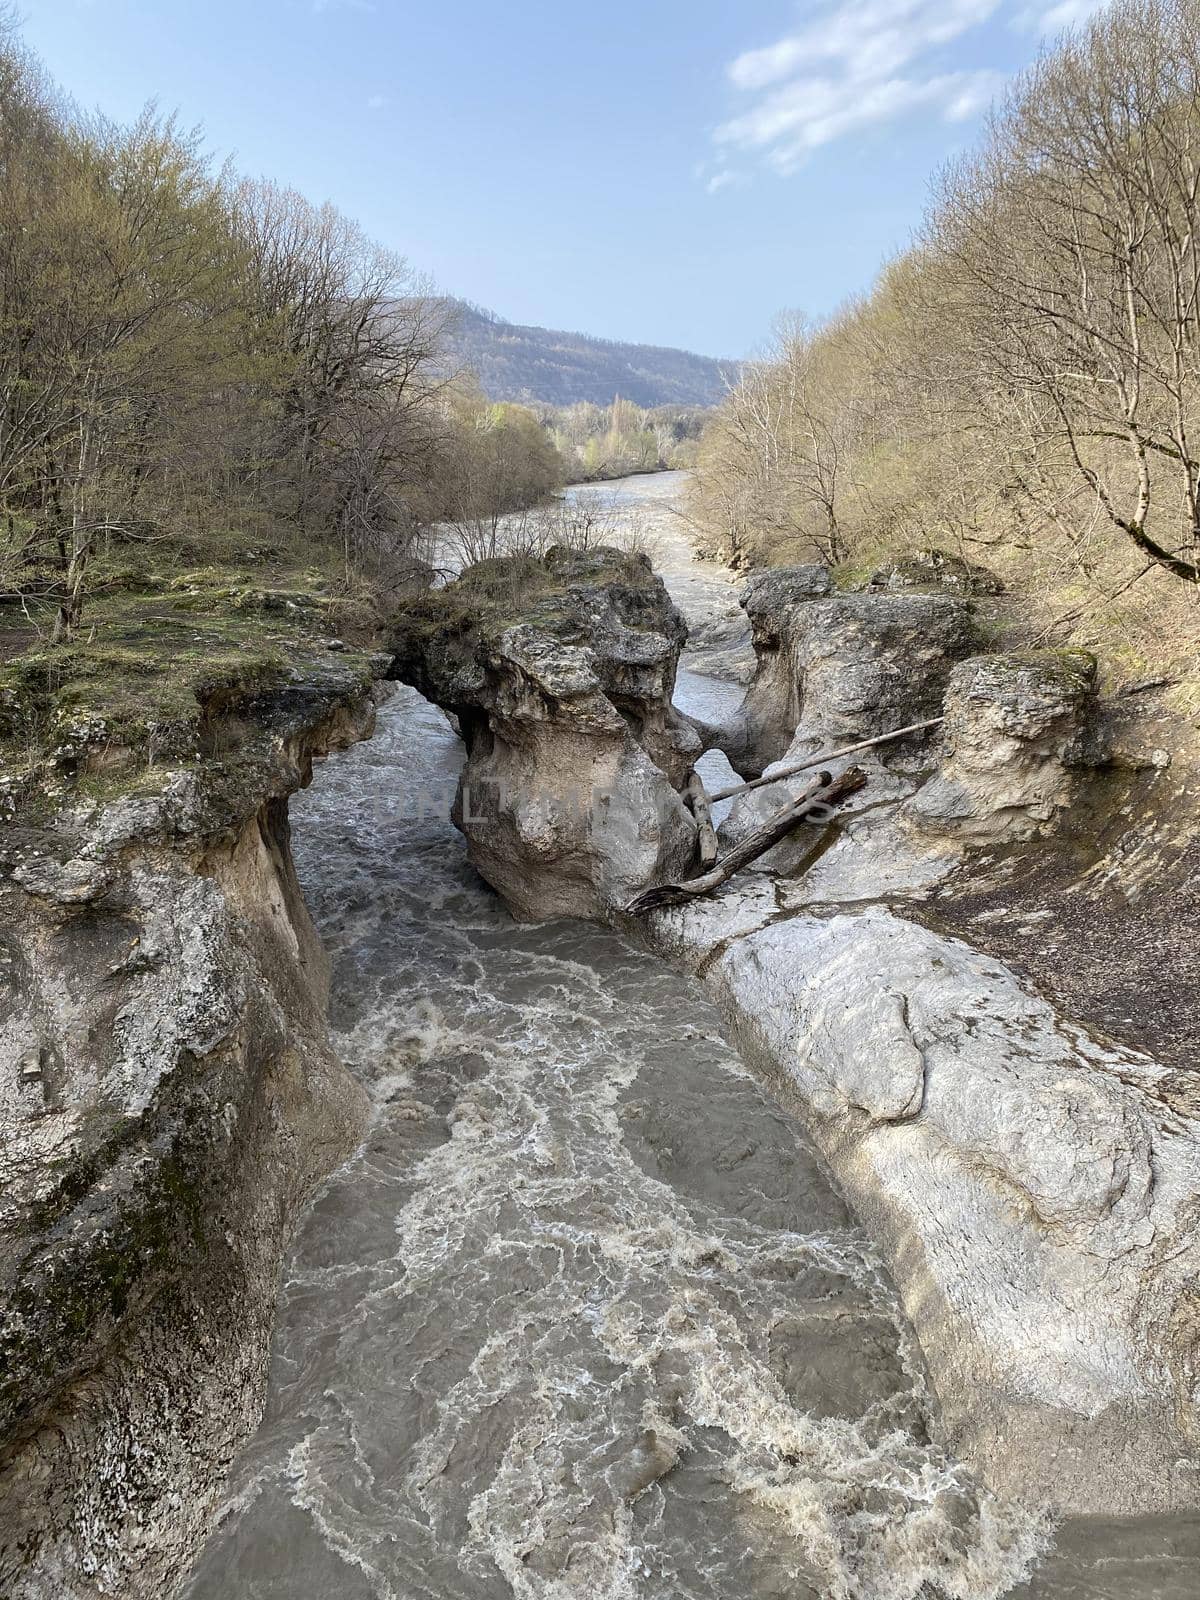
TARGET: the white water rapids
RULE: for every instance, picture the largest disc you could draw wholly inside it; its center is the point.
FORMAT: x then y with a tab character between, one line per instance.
582	1319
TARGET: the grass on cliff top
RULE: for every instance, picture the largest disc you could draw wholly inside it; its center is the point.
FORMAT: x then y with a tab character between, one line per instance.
498	593
163	651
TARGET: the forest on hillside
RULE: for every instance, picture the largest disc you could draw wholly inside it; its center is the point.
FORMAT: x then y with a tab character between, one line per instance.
544	366
199	368
1022	386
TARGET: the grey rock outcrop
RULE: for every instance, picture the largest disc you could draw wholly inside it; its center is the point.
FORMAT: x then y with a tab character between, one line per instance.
932	568
867	664
1033	1190
833	668
1018	729
169	1098
850	667
761	730
569	799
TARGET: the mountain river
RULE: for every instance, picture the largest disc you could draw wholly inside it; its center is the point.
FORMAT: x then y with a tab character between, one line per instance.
583	1319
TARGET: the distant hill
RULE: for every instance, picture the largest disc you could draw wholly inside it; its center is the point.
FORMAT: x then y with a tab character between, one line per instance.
545	366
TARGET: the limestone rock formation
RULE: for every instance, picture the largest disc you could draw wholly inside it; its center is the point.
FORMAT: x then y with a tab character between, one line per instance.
169	1098
569	799
759	734
867	664
1018	728
836	667
1032	1188
836	670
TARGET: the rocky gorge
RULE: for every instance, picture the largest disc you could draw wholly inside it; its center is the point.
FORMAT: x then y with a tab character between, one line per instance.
1033	1187
917	1287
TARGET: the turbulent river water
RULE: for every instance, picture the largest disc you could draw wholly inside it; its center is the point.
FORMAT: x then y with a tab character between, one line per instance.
582	1319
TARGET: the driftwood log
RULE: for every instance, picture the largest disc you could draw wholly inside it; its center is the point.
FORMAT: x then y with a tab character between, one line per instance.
827	755
706	834
818	797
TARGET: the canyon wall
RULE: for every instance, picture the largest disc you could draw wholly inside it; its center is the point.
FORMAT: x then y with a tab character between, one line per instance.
170	1099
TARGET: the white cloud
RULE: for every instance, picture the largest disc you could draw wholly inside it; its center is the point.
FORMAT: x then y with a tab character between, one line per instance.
865	38
376	102
857	63
1049	20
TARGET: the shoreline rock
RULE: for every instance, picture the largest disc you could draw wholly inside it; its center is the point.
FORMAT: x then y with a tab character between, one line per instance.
1032	1190
167	985
836	667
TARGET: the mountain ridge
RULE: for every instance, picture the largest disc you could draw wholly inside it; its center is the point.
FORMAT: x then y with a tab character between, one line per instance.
557	367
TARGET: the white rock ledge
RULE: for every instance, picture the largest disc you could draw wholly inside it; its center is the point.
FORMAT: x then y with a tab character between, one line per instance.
1033	1191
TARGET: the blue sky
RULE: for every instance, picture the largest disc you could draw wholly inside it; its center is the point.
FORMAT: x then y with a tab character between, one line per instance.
673	171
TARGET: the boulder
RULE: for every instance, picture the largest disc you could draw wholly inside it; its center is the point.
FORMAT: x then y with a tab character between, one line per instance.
1018	729
866	664
932	568
569	799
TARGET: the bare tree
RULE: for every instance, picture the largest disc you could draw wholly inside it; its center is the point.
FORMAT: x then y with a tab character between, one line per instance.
1065	260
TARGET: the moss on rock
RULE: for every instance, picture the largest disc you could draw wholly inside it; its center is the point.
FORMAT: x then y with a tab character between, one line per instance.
160	667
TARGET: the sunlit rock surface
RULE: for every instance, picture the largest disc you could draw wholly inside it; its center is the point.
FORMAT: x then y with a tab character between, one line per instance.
758	734
833	668
569	799
1018	728
1033	1189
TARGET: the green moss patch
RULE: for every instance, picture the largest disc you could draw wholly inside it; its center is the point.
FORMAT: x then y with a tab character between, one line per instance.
158	665
494	595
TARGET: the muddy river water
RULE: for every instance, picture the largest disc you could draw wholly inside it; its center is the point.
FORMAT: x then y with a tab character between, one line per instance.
583	1319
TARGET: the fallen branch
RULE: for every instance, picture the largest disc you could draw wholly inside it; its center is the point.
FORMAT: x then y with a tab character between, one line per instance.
827	755
696	797
824	793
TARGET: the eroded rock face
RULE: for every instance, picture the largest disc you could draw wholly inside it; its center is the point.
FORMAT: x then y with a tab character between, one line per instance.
1018	729
850	667
867	664
575	755
169	1099
1033	1189
835	668
761	731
